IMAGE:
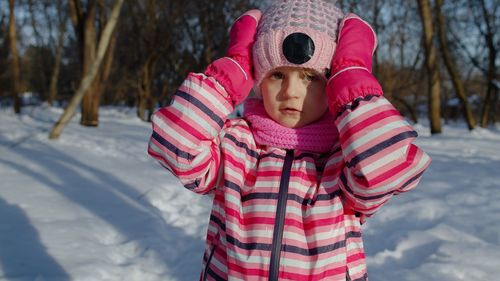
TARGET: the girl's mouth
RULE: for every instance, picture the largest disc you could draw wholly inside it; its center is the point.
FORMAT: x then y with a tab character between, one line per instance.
289	110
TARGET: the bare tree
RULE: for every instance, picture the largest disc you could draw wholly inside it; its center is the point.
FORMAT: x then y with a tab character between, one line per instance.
4	52
54	78
39	61
92	72
207	28
490	32
146	98
434	80
151	20
14	59
481	45
162	41
87	23
451	66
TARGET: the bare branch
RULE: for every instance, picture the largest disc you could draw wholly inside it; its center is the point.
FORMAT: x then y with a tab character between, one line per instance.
91	74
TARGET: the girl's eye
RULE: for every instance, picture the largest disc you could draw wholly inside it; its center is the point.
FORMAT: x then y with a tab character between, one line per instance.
310	77
277	75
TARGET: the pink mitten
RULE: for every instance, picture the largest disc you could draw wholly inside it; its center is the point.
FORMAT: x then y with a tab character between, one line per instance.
352	64
234	71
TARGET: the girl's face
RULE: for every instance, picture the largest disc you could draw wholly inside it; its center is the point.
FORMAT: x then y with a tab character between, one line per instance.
294	97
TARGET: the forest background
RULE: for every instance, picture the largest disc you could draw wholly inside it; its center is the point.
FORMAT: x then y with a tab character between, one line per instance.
436	60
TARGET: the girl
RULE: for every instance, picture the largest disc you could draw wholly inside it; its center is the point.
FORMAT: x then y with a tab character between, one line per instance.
312	158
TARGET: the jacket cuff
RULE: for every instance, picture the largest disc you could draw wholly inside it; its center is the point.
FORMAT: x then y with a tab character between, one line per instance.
230	75
348	85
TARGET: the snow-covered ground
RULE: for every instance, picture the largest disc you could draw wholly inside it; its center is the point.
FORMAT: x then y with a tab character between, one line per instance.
93	206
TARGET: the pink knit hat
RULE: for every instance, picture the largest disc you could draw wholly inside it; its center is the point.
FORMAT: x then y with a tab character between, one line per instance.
298	33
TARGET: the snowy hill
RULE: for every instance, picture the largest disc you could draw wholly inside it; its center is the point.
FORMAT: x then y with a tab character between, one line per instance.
93	206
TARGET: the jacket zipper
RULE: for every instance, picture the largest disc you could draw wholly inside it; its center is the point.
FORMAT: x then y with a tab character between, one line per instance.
205	272
280	217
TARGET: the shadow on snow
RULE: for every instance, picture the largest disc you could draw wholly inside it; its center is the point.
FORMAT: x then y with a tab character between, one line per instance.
108	198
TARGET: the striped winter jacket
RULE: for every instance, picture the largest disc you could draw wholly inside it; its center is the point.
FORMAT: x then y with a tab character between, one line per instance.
284	214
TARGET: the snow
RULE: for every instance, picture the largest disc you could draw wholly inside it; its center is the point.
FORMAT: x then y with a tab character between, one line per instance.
93	206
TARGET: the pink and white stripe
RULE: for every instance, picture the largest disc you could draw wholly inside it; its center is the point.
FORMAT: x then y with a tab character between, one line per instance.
373	160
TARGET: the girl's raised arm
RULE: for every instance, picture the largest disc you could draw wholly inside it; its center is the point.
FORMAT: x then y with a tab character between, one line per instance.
185	137
379	158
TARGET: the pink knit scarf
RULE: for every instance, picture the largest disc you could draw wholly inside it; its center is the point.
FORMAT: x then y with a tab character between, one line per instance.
318	137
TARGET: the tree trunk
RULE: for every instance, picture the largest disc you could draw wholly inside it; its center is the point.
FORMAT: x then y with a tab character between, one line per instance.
434	80
89	76
40	60
489	101
14	61
89	116
90	106
452	68
107	66
57	65
496	105
151	107
491	92
145	98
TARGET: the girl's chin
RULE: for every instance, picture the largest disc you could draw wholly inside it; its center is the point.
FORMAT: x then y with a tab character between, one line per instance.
293	121
290	123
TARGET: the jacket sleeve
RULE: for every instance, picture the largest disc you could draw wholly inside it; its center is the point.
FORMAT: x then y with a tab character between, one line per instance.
185	138
379	158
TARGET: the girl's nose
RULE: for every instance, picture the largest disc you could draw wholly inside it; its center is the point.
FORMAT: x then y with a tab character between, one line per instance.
293	88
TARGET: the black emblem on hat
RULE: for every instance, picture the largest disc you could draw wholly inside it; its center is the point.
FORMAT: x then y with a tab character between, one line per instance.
298	48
